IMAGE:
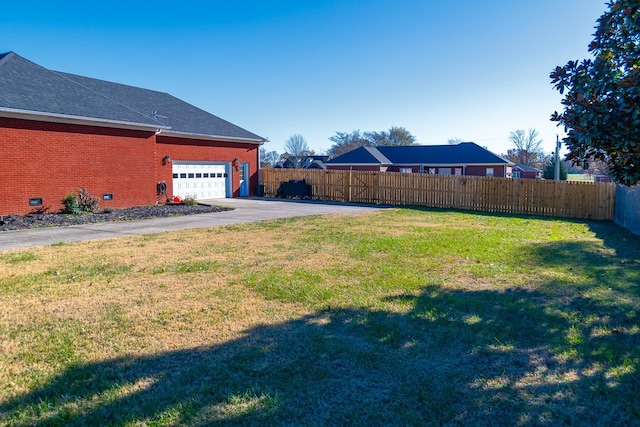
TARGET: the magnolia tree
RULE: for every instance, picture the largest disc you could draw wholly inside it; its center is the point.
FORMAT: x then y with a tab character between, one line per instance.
602	95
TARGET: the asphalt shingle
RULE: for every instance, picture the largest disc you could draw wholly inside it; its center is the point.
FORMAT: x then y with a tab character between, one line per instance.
26	86
463	153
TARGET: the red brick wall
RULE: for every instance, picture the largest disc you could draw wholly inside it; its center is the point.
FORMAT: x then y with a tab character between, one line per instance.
211	151
498	171
49	160
357	168
414	169
528	175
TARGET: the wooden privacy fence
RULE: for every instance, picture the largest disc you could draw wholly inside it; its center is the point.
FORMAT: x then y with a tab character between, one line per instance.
584	200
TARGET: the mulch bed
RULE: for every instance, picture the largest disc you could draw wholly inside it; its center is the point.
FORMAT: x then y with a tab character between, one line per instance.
41	220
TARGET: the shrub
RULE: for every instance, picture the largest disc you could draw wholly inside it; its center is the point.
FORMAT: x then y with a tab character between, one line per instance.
550	171
70	203
190	201
86	201
82	202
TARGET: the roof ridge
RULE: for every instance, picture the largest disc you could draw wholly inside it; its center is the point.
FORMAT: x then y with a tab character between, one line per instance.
430	145
64	76
13	55
377	154
69	77
108	81
4	56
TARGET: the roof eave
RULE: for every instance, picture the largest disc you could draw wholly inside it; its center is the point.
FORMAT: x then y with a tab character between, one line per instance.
357	164
259	141
13	113
451	164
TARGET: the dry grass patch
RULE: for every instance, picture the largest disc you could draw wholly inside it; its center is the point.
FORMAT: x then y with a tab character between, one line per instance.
399	317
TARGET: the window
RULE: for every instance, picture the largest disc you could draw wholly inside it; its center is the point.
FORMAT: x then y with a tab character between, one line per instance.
489	172
406	170
183	175
444	171
458	171
516	174
198	175
191	175
432	171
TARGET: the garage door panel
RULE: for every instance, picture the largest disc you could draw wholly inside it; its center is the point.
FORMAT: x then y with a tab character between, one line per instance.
200	180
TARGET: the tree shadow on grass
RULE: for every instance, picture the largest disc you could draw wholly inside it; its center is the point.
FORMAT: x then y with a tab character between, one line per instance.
624	242
482	358
442	357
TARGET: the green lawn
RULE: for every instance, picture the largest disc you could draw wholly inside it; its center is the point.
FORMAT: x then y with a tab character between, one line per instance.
401	317
580	177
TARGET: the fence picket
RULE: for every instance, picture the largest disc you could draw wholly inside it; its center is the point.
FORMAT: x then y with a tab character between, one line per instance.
519	196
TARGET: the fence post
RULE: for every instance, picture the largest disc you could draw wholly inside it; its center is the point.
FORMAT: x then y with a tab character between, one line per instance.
515	205
326	192
528	197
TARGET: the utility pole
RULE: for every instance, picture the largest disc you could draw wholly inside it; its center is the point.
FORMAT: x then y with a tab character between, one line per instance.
557	171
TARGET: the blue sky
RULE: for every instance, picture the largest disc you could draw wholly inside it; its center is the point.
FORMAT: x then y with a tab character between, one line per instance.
471	69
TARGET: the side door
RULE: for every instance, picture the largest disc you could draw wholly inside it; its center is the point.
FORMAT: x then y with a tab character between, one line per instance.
244	179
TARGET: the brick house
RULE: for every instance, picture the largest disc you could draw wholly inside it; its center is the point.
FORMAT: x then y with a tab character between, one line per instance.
526	172
466	158
127	145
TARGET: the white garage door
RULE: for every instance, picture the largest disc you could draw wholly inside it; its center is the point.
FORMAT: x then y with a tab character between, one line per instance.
200	180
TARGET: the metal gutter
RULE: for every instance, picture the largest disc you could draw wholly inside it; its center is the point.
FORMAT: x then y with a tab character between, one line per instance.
359	164
259	141
450	164
13	113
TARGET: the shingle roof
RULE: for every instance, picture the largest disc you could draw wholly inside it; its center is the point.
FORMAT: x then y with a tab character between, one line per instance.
361	155
463	153
525	168
28	87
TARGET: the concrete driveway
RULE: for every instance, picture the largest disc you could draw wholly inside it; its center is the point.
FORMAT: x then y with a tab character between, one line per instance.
244	210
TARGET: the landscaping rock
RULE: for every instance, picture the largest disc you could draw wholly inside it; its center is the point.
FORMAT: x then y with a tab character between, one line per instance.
40	220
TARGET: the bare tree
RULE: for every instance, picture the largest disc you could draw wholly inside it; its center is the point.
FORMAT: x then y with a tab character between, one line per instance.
268	158
296	150
528	148
454	141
